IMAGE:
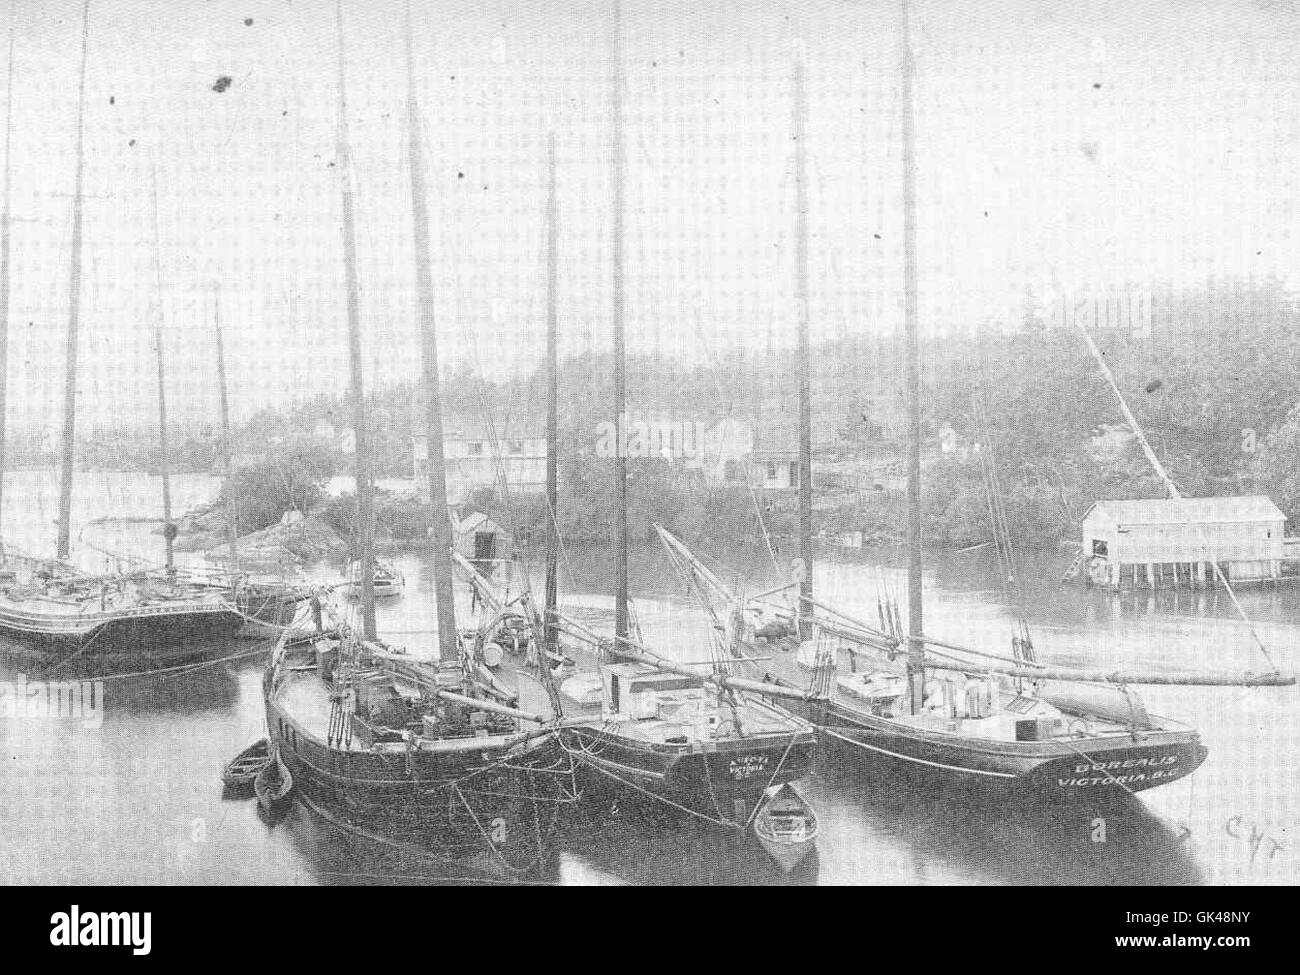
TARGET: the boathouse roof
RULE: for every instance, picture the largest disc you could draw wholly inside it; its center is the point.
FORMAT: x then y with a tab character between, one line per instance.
477	521
1181	511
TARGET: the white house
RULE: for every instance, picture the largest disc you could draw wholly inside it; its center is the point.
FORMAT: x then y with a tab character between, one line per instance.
728	445
774	463
775	470
478	461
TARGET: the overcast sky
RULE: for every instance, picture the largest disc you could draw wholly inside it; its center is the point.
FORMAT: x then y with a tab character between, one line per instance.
1062	147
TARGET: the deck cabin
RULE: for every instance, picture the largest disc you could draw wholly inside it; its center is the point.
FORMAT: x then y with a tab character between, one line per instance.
1167	542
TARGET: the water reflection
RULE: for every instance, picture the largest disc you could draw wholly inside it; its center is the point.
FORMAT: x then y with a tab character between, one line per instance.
190	689
336	854
134	796
919	834
636	844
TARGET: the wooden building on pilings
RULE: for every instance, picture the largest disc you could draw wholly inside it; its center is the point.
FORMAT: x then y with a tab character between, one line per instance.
1170	542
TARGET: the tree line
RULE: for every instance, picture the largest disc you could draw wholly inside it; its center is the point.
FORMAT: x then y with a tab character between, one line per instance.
1024	412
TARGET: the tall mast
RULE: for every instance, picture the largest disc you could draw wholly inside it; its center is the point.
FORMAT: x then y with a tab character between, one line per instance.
448	649
799	133
365	490
620	388
915	621
227	448
168	528
74	311
552	404
4	269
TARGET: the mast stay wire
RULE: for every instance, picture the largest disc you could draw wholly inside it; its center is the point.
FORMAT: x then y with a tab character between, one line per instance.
1169	483
715	367
783	190
499	475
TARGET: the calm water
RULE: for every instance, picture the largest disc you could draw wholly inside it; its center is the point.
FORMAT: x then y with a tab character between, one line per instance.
136	797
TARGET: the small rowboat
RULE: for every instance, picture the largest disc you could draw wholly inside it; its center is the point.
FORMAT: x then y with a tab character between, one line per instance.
273	784
786	826
241	770
388	580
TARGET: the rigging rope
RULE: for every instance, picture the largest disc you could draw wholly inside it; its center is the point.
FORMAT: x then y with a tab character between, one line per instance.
583	750
180	668
715	369
995	496
1169	484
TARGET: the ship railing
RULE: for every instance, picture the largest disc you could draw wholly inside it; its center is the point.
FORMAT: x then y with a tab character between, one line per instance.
56	620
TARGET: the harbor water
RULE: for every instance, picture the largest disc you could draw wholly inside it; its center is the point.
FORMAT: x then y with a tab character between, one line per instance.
130	793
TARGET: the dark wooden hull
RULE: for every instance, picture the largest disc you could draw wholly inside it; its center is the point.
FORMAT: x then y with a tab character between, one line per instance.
1054	770
500	804
151	641
722	783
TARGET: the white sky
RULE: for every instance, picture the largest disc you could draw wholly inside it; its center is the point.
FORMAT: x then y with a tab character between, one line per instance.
1178	166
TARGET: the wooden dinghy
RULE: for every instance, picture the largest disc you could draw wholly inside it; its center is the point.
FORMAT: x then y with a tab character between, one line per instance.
388	580
273	784
786	827
242	770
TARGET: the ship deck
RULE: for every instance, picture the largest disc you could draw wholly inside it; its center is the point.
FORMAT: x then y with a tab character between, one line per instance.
691	715
857	693
305	699
998	727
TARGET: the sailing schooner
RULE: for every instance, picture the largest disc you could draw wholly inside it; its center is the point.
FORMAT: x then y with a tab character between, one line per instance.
643	726
57	612
423	751
950	712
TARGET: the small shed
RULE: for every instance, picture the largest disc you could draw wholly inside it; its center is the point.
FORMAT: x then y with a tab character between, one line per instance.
1172	541
480	538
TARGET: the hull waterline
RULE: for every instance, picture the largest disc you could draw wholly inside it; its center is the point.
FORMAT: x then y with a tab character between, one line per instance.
1056	770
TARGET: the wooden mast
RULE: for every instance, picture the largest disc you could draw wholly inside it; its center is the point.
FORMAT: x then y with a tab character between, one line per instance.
227	449
365	489
552	403
799	133
168	528
74	311
915	618
620	389
4	269
448	647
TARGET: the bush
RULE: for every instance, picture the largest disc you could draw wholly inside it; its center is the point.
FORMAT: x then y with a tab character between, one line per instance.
260	495
397	516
